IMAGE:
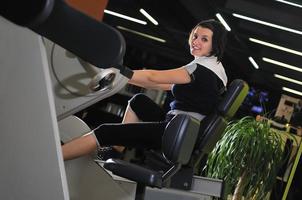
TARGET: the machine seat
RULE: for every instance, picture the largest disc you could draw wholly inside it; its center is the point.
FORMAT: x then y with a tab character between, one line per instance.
177	146
185	142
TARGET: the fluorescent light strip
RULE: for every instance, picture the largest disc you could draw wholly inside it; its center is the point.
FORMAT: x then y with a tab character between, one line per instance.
267	24
148	16
253	62
125	17
282	64
290	3
276	46
288	79
142	34
292	91
220	18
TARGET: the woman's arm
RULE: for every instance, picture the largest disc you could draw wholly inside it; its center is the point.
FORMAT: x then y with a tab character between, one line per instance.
154	86
160	79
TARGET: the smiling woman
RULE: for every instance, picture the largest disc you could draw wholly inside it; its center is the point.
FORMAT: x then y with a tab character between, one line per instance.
201	42
205	42
196	88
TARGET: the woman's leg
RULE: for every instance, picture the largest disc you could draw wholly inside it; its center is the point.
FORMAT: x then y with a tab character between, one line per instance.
79	147
129	117
146	109
142	134
141	108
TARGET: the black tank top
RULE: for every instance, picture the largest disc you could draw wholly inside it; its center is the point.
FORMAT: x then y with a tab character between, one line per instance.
201	95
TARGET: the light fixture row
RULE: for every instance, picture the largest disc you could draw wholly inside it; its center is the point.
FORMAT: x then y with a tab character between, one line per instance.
292	91
116	14
223	22
144	12
267	23
148	16
218	15
290	3
142	34
299	53
282	64
288	79
253	62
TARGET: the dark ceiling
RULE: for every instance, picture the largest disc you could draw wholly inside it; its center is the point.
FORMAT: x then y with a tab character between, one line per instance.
177	17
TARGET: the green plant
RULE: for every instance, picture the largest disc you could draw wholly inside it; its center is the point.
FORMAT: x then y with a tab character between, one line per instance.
248	158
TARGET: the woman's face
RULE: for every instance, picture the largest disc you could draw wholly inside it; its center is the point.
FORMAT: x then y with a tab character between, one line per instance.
201	42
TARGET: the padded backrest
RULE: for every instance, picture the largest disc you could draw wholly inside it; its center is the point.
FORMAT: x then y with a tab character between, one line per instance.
213	126
210	131
179	138
232	98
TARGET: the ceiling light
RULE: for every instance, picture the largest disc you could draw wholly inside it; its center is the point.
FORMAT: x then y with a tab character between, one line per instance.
290	3
148	16
267	24
282	64
125	17
253	63
276	46
292	91
288	79
142	34
220	18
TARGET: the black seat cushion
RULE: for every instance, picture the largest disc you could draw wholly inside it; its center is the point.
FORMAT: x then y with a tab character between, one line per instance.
179	138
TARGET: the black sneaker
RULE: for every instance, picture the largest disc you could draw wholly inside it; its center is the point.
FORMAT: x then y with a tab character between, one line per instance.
109	152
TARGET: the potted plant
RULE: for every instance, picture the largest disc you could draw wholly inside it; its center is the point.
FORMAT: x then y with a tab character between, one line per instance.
248	158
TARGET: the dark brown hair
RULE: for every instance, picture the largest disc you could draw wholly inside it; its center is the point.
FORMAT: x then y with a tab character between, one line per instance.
219	38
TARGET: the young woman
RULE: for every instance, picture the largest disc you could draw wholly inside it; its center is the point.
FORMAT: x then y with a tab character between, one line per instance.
196	88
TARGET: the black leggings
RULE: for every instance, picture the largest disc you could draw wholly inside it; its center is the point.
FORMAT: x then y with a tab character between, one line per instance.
147	133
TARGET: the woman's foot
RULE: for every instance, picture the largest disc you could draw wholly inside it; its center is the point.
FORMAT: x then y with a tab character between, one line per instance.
109	152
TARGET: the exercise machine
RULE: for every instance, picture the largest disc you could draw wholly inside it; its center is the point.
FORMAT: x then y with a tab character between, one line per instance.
36	104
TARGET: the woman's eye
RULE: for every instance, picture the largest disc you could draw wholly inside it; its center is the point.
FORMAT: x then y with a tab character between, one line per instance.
204	39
